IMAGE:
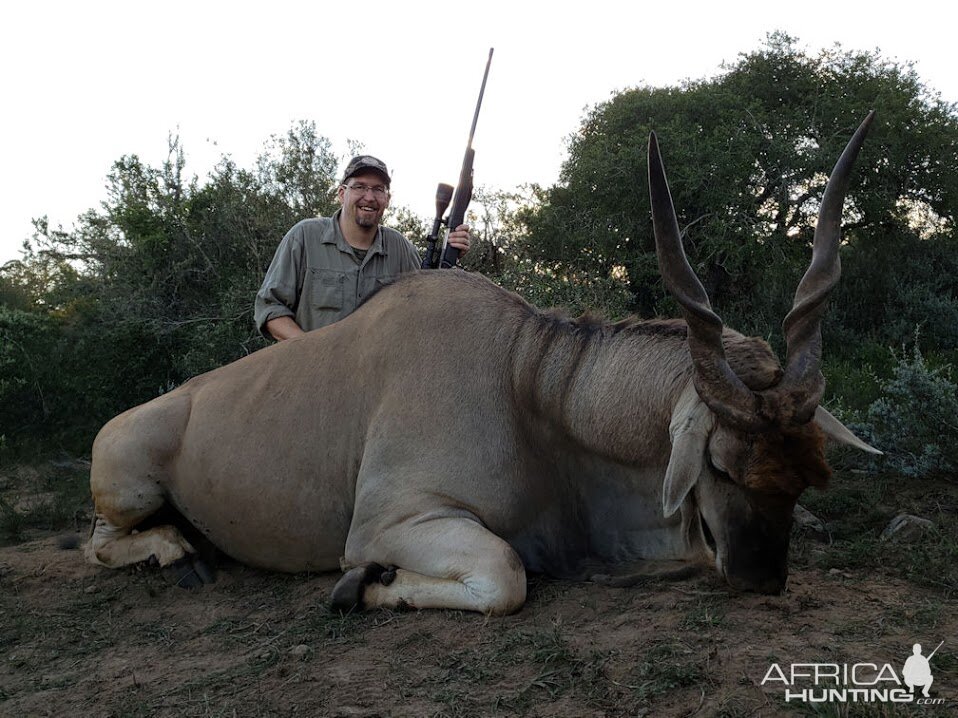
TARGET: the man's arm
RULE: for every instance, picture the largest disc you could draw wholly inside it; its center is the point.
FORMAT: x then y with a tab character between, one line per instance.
282	328
278	297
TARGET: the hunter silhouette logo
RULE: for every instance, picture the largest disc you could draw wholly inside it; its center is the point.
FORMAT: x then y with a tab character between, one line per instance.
864	682
917	670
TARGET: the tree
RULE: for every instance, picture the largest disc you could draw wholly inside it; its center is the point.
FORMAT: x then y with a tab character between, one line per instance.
748	154
504	252
150	289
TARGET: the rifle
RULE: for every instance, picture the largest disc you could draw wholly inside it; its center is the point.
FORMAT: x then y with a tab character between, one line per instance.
934	651
463	195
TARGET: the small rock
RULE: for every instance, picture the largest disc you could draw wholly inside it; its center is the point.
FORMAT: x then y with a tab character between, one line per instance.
93	588
300	651
834	572
810	524
906	527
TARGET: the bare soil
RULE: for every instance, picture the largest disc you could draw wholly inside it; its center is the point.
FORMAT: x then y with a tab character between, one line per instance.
79	640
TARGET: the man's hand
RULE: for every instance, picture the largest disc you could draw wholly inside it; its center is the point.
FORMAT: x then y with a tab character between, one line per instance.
460	238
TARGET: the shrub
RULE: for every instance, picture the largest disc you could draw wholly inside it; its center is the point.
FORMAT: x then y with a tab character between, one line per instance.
915	421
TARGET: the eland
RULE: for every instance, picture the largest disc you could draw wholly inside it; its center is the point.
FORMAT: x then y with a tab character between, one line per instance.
575	448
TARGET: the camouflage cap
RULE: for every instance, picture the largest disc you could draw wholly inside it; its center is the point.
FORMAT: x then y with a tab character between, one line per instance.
363	163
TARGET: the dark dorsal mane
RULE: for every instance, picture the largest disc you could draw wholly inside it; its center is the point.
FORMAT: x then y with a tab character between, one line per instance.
751	358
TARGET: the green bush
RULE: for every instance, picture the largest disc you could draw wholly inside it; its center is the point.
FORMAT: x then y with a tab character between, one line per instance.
26	343
915	421
854	375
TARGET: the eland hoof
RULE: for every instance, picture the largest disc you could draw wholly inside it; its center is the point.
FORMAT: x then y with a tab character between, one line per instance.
348	592
188	572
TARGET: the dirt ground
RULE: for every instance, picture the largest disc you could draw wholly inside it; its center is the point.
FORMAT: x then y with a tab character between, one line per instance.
79	640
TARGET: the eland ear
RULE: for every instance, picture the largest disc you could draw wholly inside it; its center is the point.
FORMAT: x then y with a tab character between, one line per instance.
690	426
834	429
685	465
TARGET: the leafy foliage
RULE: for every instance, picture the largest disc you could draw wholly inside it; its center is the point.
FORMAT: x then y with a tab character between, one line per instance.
748	154
894	282
154	287
504	252
915	421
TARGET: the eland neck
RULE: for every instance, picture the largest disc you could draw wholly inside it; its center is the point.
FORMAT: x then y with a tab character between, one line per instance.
610	388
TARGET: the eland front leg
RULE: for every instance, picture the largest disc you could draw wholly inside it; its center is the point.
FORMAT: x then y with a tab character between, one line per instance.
433	563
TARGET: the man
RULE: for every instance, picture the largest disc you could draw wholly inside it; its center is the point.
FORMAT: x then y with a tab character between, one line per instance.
917	671
326	266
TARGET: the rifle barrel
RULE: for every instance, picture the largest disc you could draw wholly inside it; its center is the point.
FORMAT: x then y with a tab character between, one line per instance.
935	651
482	91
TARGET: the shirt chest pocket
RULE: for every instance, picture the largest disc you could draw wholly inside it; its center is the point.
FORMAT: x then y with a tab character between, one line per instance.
327	288
369	285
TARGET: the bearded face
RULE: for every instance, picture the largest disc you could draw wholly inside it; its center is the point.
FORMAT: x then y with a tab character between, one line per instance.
364	198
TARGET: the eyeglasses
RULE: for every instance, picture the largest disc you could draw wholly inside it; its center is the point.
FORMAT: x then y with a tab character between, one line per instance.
379	191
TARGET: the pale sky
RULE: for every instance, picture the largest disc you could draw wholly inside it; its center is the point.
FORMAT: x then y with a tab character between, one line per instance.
83	83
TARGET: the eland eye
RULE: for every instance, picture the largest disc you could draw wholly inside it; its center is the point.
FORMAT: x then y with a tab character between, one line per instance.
720	473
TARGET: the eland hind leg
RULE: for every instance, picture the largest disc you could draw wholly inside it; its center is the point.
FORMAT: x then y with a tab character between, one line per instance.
131	456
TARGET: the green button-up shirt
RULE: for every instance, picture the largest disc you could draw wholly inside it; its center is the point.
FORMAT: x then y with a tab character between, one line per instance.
316	278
